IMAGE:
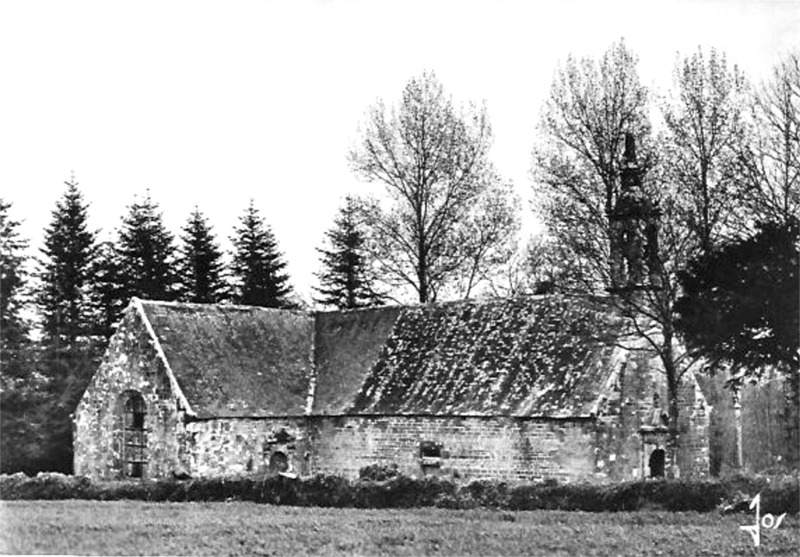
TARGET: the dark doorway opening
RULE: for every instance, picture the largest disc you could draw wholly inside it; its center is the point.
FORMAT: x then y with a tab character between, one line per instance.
657	459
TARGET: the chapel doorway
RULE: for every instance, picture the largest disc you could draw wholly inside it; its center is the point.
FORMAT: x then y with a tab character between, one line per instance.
657	460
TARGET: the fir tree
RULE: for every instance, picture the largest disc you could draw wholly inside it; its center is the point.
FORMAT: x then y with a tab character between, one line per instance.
68	355
199	263
22	393
258	266
109	291
66	272
346	280
146	253
13	327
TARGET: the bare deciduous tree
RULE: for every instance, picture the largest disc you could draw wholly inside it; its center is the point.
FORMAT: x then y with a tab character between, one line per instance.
488	237
431	159
771	160
705	129
592	103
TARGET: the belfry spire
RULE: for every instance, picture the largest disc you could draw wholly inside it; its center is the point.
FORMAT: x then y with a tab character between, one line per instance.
633	223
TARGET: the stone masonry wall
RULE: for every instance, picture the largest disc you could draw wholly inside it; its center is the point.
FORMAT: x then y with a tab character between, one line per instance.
694	428
246	447
471	448
507	449
130	364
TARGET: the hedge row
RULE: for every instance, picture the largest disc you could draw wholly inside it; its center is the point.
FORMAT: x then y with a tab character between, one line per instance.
398	491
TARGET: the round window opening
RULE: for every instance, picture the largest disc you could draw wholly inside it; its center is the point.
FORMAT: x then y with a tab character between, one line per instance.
278	462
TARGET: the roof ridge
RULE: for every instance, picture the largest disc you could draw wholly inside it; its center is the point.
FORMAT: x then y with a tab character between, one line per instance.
313	312
222	305
466	301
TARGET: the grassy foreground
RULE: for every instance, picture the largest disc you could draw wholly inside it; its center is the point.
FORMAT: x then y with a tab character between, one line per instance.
240	528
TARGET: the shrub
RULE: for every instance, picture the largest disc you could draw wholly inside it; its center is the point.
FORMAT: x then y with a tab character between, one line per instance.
526	497
487	493
278	490
781	495
167	490
45	485
327	491
378	472
778	495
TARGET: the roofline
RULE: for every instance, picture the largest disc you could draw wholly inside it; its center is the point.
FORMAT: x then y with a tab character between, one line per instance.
315	312
137	303
485	301
581	418
217	305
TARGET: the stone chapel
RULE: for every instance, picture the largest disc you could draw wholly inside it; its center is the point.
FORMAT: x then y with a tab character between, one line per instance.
520	389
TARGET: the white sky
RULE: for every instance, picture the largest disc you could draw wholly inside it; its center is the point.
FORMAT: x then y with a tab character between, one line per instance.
212	103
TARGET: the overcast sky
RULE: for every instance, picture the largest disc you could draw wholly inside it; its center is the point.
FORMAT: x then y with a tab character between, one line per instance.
214	103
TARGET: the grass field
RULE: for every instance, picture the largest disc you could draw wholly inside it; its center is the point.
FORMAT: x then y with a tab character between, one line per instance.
141	528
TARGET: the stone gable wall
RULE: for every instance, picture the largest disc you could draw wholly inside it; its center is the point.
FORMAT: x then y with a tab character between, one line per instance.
623	449
130	364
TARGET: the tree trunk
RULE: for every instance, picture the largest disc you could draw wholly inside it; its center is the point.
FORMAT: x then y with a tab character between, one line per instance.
792	418
673	386
422	276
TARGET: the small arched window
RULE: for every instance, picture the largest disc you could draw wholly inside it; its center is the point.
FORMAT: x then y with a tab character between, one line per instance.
278	462
134	449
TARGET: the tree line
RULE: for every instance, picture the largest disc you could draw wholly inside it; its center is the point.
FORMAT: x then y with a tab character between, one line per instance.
720	163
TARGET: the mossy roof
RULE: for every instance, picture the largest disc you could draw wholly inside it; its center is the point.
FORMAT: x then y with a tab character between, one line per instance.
236	361
529	356
542	356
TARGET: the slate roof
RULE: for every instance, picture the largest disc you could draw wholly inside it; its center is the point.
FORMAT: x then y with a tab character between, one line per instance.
347	345
543	356
547	356
236	361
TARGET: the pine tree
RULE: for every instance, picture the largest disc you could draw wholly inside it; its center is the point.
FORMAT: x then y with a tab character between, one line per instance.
13	327
200	262
146	253
109	296
66	272
258	266
346	281
22	392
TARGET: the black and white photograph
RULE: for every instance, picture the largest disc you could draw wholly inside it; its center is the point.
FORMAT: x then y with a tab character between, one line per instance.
383	278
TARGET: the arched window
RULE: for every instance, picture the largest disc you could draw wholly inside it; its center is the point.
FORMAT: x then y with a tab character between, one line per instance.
134	448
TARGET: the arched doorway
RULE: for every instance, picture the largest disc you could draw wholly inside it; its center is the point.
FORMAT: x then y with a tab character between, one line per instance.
657	460
134	435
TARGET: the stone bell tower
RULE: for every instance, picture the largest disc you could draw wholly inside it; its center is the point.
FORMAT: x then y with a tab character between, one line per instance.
635	263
